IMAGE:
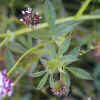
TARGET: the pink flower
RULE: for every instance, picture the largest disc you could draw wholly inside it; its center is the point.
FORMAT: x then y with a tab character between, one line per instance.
5	84
60	89
60	92
30	18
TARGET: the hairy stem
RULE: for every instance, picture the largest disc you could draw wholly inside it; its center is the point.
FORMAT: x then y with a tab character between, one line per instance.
82	52
45	25
83	8
61	76
4	42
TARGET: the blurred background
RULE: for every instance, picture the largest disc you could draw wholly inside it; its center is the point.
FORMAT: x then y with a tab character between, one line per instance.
87	33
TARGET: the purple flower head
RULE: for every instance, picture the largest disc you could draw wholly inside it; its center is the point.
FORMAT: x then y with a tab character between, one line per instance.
5	84
60	92
30	18
60	89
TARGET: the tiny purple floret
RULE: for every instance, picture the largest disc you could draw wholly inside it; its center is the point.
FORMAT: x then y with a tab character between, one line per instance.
60	92
5	84
30	18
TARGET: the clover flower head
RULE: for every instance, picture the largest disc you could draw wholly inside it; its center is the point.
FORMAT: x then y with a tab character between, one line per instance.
60	92
30	18
5	84
60	89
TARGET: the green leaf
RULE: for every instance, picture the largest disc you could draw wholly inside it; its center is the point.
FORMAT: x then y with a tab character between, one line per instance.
42	82
29	41
9	58
22	40
41	34
39	52
50	14
51	80
80	73
64	46
16	47
66	78
35	65
65	27
52	64
38	74
71	57
51	50
75	52
43	61
68	59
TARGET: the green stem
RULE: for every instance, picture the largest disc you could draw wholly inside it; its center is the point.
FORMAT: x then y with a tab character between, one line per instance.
45	25
3	35
83	8
87	51
61	76
29	51
3	42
